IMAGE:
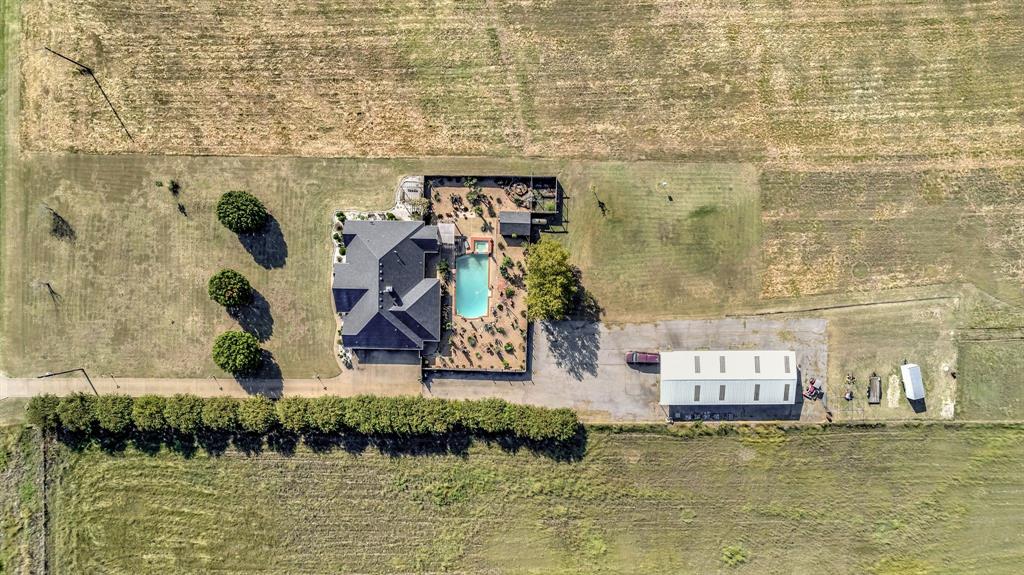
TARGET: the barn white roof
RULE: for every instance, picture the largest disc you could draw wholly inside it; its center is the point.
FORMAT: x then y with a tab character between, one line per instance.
746	377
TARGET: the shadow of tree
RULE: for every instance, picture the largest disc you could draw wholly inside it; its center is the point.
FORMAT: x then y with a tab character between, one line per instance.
216	443
266	380
255	318
574	345
267	246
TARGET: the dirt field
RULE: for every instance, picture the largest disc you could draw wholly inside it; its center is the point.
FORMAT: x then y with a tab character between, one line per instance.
794	83
914	500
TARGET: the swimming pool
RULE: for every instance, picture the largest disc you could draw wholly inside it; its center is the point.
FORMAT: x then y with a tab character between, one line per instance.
481	247
471	286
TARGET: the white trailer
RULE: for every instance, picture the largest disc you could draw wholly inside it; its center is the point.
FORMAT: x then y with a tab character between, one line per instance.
913	385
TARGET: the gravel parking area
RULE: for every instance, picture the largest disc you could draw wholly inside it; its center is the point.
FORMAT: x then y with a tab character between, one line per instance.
581	364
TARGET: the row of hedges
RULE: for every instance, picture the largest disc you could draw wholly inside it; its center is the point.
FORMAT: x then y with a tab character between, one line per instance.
365	414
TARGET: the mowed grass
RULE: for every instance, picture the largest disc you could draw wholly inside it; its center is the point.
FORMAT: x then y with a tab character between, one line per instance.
902	500
992	379
823	82
132	284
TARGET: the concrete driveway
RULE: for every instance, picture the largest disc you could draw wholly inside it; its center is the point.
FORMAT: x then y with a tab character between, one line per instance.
581	364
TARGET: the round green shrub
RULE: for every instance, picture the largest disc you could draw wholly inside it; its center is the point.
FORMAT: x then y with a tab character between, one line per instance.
148	413
41	411
236	352
76	412
220	414
229	288
326	414
114	413
184	413
241	212
291	412
256	414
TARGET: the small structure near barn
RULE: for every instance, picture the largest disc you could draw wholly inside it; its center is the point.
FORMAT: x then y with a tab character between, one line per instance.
913	385
516	223
728	378
874	389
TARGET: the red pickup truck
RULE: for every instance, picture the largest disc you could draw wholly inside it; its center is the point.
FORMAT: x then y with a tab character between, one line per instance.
642	357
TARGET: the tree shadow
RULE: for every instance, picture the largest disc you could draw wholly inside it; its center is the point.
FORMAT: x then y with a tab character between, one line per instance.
266	380
563	451
255	317
574	345
267	246
354	443
213	442
282	441
248	443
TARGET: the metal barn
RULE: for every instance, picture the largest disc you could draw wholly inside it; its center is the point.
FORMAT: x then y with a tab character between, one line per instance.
748	377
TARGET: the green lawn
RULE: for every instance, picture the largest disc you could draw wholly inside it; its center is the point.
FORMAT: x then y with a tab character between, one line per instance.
992	380
903	500
132	285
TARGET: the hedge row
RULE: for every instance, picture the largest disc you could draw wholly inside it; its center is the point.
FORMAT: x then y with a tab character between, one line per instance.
365	414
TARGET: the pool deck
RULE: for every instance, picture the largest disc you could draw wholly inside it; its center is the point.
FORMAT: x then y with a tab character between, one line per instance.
479	344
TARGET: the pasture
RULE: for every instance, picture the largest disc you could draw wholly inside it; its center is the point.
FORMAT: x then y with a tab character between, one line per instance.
931	499
831	83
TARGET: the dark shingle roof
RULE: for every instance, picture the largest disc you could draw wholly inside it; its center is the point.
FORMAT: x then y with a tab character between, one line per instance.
514	222
382	287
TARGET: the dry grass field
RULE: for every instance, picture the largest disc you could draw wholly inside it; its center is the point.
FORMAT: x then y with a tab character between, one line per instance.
791	83
931	499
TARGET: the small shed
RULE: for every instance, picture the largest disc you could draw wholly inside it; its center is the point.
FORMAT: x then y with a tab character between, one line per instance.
913	385
447	232
514	222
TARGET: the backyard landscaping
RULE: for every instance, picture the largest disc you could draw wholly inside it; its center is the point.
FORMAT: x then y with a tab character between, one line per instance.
485	325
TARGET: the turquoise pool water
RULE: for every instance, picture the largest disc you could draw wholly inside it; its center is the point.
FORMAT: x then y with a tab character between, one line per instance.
482	247
471	286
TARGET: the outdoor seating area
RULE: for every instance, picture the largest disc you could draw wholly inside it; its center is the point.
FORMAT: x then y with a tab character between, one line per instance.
482	274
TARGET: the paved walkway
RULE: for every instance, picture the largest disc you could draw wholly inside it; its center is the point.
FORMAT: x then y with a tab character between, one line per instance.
574	364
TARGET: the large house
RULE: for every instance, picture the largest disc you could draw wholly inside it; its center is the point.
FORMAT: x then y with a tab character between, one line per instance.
382	288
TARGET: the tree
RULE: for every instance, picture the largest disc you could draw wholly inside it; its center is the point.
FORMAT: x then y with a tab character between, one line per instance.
148	413
42	411
326	414
256	414
76	412
550	281
241	212
220	414
291	412
184	413
236	352
229	288
114	413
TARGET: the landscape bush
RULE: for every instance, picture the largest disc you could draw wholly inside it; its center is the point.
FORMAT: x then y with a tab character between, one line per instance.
77	412
256	414
236	352
114	413
292	413
241	212
229	288
184	413
220	414
148	413
42	412
404	416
